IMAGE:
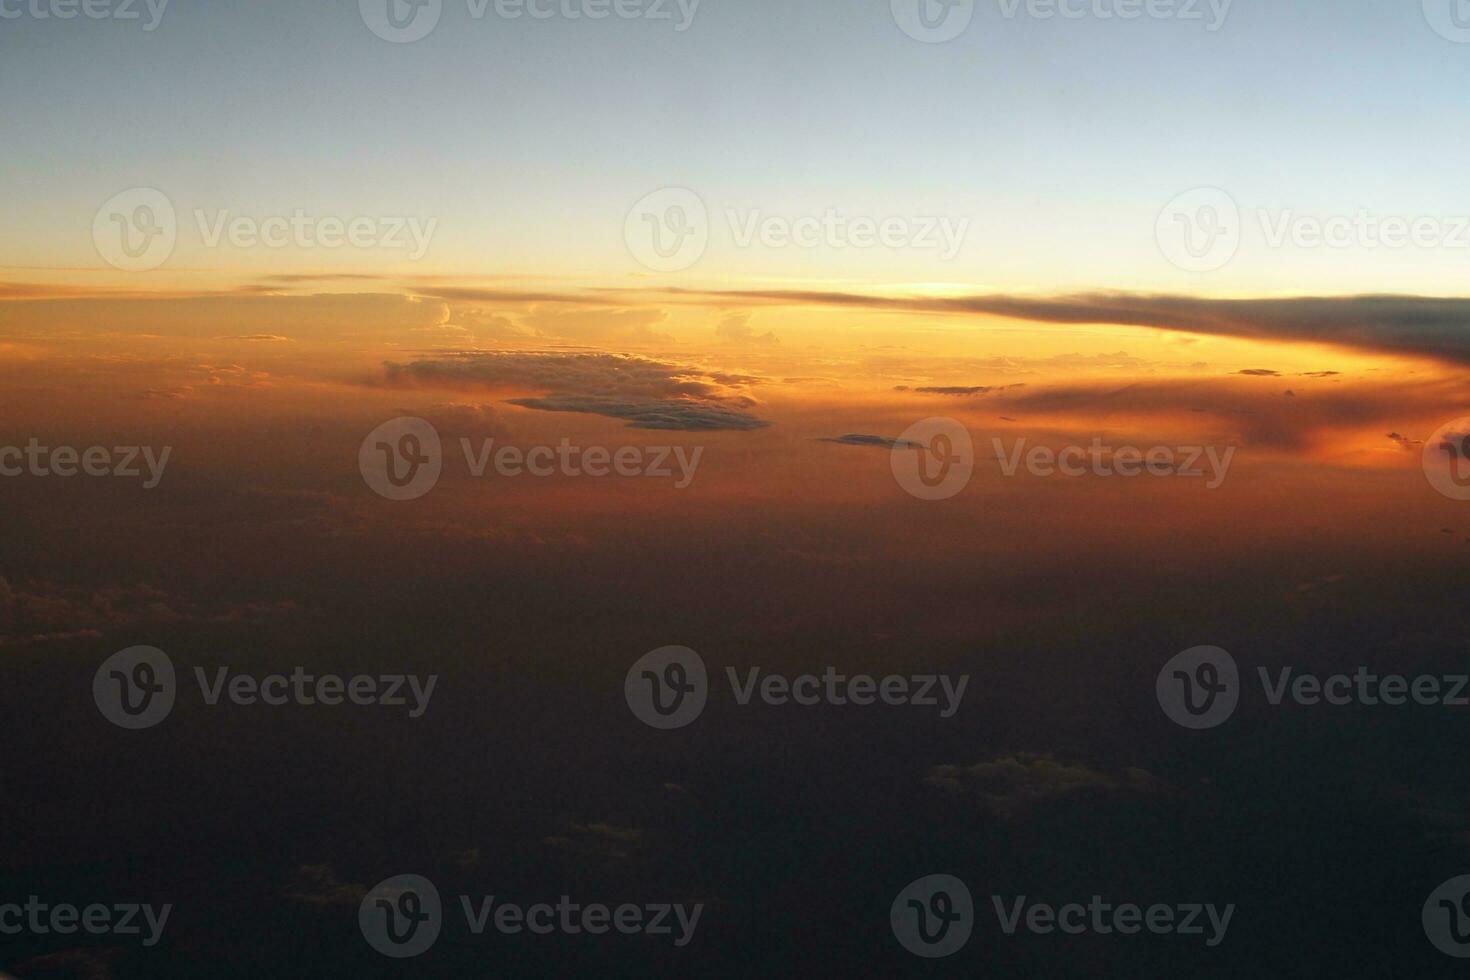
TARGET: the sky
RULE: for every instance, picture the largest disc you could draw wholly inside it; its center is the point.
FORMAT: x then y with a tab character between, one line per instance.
854	294
1059	139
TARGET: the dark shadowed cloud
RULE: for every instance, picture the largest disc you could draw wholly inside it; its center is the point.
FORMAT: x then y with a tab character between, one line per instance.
683	414
866	440
1011	786
648	394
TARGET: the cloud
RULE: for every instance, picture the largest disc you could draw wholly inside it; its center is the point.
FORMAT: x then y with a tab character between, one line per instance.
72	964
1240	411
622	375
648	394
597	840
1010	787
40	611
958	391
735	328
1404	442
866	440
1424	325
679	414
317	885
599	326
1260	373
461	419
322	316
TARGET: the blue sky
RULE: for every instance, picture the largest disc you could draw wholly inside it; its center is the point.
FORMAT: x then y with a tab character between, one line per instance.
530	139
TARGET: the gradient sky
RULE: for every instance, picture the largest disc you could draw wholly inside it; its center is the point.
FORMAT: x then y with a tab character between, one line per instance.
529	140
801	378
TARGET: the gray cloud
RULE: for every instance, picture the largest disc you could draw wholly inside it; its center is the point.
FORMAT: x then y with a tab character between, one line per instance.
957	390
648	394
677	414
559	372
867	440
1010	787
